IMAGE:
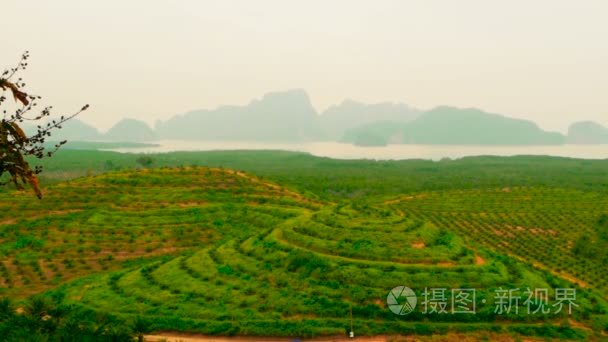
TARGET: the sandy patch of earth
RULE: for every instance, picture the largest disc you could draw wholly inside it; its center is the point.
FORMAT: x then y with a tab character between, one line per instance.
418	245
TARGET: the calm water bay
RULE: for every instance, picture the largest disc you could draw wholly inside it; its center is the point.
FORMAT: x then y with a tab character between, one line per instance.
396	152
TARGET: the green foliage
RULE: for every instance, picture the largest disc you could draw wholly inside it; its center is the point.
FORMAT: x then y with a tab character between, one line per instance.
445	238
218	252
602	227
145	161
595	249
28	241
344	179
44	320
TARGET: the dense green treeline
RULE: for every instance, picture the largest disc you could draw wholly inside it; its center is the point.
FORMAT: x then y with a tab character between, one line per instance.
331	178
42	318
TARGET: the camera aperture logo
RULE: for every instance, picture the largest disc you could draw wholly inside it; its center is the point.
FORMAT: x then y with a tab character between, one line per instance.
401	300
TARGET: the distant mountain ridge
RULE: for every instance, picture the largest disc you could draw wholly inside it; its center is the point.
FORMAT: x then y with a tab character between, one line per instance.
289	116
126	130
279	116
455	126
130	130
587	132
76	130
336	120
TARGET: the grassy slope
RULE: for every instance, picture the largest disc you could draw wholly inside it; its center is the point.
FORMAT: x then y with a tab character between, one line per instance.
237	254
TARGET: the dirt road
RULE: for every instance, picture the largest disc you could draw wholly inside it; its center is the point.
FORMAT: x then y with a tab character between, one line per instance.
174	337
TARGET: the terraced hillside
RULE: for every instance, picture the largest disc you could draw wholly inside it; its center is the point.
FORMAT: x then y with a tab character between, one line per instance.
223	252
95	224
563	231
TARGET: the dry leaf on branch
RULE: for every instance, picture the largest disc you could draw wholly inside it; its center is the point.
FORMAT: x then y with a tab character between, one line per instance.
17	94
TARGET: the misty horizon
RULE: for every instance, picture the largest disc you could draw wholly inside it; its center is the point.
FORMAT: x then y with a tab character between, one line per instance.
318	112
543	61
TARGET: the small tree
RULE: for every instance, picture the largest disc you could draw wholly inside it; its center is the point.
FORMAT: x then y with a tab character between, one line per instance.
15	145
145	161
140	327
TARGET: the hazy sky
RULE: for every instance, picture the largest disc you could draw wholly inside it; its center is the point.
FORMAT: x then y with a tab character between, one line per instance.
543	60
